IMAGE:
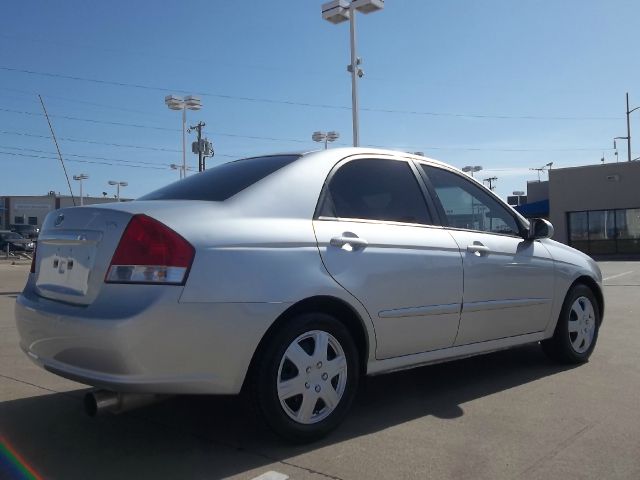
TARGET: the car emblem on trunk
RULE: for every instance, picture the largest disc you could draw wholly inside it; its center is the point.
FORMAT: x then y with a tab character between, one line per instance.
59	220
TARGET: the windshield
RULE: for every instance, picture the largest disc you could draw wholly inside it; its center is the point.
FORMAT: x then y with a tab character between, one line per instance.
223	181
10	236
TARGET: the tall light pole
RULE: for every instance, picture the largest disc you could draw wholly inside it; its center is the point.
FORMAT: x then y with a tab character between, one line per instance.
629	128
189	102
338	11
325	137
471	169
80	178
118	185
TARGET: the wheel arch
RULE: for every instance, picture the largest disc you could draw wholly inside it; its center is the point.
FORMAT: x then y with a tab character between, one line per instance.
331	305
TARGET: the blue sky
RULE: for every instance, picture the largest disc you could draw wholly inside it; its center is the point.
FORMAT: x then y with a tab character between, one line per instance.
438	77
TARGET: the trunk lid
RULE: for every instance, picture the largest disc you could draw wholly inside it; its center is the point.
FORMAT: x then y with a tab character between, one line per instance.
88	237
74	251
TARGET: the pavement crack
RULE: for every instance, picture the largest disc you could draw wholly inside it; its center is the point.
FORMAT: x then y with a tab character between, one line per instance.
37	386
564	444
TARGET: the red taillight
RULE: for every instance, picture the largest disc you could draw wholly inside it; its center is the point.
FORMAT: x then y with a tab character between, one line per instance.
150	252
33	259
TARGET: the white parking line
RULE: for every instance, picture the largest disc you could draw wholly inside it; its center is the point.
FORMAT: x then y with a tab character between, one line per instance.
616	276
271	475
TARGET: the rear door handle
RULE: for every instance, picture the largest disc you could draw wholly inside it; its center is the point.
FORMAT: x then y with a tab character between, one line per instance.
478	249
348	243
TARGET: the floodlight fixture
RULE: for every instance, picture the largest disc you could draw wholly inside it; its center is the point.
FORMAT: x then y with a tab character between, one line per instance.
336	11
327	137
192	102
368	6
471	169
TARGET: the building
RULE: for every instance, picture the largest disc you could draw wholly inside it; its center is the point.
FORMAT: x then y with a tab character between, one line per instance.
536	204
594	208
31	209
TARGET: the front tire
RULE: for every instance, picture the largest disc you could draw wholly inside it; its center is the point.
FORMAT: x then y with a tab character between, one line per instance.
576	333
306	377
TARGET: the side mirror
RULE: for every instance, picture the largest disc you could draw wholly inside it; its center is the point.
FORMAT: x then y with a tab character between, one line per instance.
540	228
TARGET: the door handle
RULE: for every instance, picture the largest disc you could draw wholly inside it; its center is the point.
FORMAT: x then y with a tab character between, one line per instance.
478	249
348	243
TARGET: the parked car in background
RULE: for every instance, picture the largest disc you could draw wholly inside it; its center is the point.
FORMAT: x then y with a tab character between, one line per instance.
27	231
15	241
288	277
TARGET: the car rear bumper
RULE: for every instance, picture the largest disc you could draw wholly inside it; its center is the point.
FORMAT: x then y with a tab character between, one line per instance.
167	347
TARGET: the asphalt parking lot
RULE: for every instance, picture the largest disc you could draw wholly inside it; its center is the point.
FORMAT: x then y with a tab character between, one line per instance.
511	414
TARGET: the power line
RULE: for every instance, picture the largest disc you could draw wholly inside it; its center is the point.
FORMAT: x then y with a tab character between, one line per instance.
396	147
304	104
86	156
113	163
75	100
150	127
94	142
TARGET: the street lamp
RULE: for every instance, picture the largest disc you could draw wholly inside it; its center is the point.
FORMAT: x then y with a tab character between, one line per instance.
189	102
471	169
175	166
325	137
118	185
629	128
338	11
80	178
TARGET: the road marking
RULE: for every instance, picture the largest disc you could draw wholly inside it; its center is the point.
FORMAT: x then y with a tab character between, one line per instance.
271	475
616	276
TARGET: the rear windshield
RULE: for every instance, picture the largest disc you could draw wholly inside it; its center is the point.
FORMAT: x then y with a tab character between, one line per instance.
223	181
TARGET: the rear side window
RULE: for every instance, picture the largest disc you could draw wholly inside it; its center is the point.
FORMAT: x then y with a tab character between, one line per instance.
375	189
222	182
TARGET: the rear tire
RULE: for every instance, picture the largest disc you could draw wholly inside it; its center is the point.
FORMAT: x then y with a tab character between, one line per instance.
306	377
577	329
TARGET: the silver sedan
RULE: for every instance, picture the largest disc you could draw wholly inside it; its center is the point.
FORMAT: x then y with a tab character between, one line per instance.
288	277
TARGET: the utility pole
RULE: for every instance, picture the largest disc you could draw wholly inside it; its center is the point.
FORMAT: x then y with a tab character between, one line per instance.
491	180
544	168
198	127
201	146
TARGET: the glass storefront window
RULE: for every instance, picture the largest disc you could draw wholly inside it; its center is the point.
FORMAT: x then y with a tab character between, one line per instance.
628	228
605	231
602	232
579	231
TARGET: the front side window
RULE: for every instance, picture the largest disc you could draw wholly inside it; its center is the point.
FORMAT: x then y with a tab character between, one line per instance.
375	189
467	206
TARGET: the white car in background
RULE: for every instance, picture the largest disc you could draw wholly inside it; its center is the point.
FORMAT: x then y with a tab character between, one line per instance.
288	277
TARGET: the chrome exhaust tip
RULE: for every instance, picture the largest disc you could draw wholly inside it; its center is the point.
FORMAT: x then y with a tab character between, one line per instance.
98	402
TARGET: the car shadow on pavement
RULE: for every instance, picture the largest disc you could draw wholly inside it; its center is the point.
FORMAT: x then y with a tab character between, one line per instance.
214	437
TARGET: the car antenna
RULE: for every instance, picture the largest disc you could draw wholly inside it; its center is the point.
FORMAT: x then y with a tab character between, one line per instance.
53	135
